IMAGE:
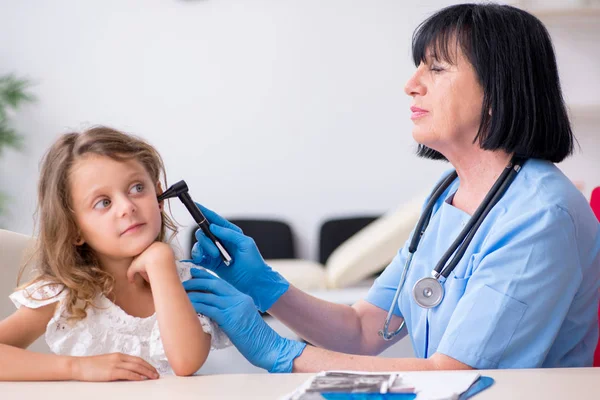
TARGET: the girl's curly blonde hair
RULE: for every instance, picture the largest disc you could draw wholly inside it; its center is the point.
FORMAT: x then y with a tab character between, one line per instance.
57	259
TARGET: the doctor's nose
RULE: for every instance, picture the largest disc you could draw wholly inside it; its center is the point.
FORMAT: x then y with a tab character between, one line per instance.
414	86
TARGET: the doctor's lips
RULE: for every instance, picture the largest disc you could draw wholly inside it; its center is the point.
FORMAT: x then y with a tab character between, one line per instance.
417	112
132	228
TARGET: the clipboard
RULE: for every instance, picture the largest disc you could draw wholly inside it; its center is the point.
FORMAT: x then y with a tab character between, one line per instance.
478	386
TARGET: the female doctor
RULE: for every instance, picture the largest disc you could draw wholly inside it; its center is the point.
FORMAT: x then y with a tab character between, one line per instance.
502	271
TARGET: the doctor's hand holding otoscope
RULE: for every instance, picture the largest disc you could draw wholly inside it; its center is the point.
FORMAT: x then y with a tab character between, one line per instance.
221	243
231	300
245	283
180	190
252	285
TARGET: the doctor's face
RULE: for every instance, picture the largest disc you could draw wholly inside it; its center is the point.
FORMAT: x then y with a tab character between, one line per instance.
446	103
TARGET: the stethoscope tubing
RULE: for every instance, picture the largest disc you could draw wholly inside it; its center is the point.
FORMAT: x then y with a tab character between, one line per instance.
443	270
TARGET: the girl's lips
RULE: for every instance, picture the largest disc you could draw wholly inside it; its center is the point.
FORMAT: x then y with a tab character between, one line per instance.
132	228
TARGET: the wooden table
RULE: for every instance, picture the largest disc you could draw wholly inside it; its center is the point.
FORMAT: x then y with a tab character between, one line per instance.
560	384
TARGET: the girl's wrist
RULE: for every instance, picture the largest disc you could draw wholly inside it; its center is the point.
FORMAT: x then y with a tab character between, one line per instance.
68	367
161	269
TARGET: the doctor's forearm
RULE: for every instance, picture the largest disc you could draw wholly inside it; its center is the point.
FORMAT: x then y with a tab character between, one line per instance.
314	359
324	324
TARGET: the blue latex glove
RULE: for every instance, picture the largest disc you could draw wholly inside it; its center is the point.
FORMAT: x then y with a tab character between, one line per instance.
236	314
248	272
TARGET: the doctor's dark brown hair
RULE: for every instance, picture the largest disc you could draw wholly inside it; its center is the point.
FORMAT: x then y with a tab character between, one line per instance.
523	110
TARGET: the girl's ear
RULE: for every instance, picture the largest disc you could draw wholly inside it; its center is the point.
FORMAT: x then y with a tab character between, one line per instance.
159	191
79	240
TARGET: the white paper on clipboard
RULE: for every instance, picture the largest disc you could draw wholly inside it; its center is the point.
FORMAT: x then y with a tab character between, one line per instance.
428	385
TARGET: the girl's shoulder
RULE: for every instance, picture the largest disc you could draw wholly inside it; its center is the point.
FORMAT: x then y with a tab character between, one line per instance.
38	294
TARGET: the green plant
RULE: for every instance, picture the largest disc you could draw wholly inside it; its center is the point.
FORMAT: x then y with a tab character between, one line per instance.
13	93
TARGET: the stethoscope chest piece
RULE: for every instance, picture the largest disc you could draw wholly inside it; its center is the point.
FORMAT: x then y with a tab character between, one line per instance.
428	292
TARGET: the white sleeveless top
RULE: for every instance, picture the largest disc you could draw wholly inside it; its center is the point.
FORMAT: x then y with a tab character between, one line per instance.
108	329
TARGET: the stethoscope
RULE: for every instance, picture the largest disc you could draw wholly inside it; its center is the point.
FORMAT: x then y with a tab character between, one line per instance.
428	292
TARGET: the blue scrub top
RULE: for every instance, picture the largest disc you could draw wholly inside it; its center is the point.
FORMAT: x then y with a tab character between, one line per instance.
524	295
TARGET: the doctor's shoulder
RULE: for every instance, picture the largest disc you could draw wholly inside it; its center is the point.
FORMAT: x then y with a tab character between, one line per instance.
540	206
547	202
547	187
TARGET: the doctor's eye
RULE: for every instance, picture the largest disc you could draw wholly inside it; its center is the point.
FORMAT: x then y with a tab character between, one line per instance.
102	204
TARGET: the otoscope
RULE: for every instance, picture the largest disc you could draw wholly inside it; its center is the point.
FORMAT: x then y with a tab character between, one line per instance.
180	190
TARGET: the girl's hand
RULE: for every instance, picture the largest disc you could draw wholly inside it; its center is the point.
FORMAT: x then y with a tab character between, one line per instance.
111	367
157	253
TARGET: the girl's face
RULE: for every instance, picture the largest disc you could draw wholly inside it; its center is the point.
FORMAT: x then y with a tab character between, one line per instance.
115	205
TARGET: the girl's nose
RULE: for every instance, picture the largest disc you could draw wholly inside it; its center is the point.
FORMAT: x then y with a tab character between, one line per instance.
126	206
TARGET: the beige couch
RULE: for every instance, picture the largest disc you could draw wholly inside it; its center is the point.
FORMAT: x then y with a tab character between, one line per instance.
13	248
364	254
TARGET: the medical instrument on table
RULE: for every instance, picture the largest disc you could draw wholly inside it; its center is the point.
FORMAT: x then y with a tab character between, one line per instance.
180	189
428	292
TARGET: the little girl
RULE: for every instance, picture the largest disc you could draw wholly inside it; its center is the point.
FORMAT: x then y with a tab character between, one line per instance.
108	291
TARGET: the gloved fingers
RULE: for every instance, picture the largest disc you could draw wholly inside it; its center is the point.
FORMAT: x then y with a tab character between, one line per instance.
216	219
199	257
208	311
210	299
201	273
208	247
210	284
199	285
232	238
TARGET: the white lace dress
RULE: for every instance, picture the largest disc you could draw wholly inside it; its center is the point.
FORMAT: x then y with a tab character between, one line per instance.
108	329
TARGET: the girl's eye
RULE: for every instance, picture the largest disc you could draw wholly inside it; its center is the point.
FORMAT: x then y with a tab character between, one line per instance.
436	68
137	188
102	204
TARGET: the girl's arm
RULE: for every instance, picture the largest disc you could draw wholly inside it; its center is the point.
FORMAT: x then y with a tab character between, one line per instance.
17	364
19	331
186	344
23	327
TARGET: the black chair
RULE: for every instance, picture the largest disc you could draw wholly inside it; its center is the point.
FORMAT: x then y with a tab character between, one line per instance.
336	231
273	238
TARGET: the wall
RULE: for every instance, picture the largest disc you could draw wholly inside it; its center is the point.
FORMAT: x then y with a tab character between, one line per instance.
292	109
